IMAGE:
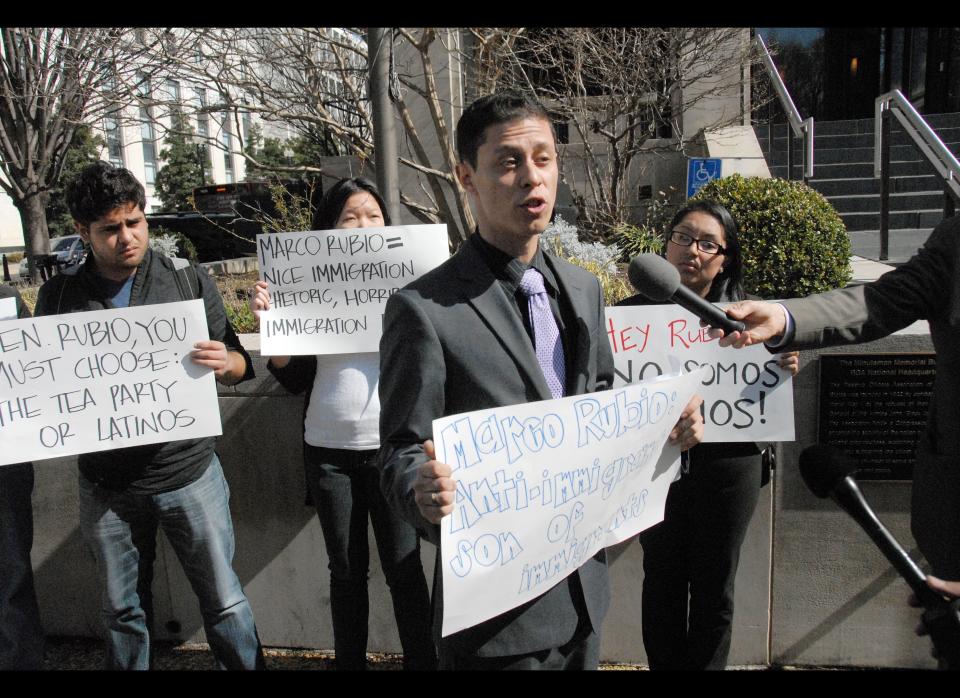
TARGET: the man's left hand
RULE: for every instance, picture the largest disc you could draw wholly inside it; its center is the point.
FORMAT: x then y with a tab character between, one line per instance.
688	431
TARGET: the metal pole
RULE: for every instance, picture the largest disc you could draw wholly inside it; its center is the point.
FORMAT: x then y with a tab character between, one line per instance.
949	205
885	185
379	42
789	152
6	269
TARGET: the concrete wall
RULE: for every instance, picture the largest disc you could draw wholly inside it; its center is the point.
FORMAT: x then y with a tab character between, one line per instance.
825	596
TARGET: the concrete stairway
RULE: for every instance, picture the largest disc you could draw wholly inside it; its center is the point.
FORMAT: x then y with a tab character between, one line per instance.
843	173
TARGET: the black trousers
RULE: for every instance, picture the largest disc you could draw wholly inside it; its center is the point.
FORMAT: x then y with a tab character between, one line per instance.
21	636
690	559
345	488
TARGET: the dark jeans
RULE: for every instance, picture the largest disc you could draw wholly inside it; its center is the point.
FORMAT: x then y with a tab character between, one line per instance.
695	551
345	488
121	531
21	636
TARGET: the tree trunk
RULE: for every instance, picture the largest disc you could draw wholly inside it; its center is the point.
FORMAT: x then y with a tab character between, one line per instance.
36	237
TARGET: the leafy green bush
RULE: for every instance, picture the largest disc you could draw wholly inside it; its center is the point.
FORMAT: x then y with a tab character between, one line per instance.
235	291
794	242
637	239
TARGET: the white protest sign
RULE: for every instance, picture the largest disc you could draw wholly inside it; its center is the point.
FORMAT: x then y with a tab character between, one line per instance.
328	288
746	395
104	379
543	486
8	308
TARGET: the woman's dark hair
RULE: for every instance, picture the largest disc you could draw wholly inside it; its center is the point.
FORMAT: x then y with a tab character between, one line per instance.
335	198
728	284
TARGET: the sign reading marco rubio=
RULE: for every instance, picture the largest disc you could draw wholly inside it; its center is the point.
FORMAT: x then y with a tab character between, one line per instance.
328	288
103	379
746	395
542	486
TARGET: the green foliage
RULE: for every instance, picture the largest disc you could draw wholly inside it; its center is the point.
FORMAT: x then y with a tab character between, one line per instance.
235	291
274	154
182	169
84	149
637	239
648	235
794	242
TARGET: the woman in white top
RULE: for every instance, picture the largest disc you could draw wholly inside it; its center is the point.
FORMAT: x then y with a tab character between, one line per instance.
341	438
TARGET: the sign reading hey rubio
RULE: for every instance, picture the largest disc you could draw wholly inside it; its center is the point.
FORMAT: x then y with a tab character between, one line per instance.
328	288
746	395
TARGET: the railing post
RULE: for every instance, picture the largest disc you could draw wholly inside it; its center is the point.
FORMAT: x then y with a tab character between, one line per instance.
949	205
789	152
6	269
885	184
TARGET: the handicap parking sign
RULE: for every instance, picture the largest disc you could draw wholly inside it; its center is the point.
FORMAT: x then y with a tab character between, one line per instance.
701	171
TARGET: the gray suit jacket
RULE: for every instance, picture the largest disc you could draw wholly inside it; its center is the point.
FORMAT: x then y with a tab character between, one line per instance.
452	343
926	287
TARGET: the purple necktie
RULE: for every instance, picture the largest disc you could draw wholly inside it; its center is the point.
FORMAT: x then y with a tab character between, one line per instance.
546	334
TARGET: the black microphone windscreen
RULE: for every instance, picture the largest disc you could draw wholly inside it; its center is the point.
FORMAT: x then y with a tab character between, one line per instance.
823	467
654	277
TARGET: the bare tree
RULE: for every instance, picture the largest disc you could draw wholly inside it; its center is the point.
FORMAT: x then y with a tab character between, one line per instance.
52	81
616	88
315	82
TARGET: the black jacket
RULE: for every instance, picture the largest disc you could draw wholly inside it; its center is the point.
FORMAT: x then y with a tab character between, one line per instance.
152	468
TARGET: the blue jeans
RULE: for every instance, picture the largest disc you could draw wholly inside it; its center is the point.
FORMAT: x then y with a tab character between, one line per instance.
21	636
345	488
121	530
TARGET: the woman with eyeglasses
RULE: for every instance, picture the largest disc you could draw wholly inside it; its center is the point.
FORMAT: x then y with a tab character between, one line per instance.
690	559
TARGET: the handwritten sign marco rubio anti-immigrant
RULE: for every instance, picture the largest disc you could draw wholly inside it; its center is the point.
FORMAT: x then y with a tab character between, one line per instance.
103	379
328	288
746	395
543	486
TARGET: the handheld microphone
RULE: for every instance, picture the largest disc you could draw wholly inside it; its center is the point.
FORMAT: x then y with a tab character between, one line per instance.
827	473
658	280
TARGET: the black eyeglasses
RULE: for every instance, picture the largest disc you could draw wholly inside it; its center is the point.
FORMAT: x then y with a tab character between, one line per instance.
705	246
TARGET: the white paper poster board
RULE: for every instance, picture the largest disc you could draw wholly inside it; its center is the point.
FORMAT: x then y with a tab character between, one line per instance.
8	308
543	486
746	395
328	288
104	379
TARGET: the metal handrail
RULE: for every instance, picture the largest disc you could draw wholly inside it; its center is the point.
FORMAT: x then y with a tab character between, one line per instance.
943	162
924	137
801	127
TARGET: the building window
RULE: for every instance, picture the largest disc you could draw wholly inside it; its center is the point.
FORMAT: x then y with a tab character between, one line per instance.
147	135
203	132
114	137
227	141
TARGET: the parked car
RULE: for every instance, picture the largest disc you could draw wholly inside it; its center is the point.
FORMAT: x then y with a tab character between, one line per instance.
64	252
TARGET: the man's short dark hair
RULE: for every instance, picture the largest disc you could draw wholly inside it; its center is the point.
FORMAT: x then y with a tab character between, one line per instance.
498	108
99	188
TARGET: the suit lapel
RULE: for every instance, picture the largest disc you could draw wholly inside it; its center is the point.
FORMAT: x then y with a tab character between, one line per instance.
485	295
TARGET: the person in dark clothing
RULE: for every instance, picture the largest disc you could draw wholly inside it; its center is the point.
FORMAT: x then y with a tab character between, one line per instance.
690	559
127	494
340	442
21	635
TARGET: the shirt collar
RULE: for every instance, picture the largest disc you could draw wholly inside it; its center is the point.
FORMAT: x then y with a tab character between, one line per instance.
509	269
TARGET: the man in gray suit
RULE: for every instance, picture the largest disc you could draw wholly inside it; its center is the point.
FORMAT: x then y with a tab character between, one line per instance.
926	287
502	322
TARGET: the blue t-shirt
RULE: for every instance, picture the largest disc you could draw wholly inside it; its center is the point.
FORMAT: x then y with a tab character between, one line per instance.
118	292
